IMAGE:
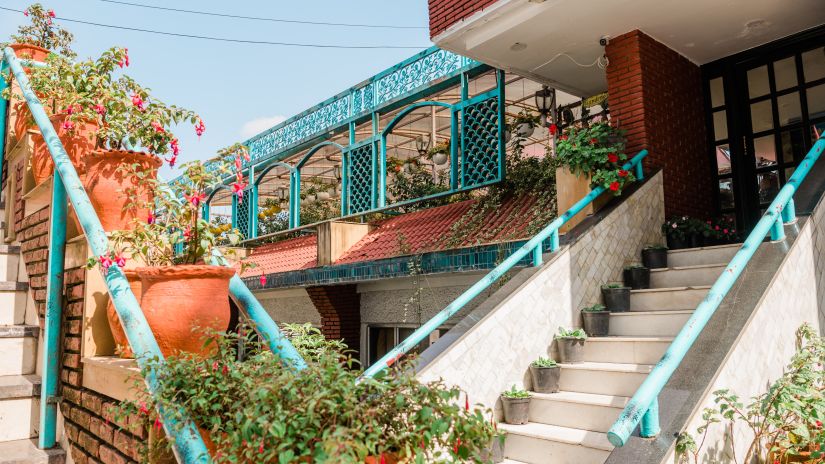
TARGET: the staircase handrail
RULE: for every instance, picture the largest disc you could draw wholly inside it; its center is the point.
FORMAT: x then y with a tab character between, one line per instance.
188	443
533	246
643	407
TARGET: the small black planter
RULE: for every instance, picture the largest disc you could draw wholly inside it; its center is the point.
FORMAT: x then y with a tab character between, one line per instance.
596	323
516	410
637	277
677	243
654	258
545	379
696	240
571	350
617	300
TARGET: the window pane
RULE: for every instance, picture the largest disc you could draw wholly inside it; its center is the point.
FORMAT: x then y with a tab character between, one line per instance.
404	332
723	159
726	194
768	186
817	130
792	148
790	109
784	72
761	116
381	341
720	125
813	64
765	151
758	82
717	92
816	101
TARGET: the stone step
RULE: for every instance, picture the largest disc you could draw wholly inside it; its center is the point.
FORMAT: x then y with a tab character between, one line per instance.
26	452
585	411
699	256
688	276
534	443
672	298
18	346
637	350
19	407
648	323
611	379
9	262
13	302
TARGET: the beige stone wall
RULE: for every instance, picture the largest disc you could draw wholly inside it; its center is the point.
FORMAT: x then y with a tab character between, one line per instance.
496	352
796	295
289	306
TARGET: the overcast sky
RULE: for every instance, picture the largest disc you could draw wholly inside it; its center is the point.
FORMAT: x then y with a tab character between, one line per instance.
241	89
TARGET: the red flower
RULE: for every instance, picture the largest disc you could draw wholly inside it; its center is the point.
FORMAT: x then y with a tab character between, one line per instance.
238	188
105	262
51	13
68	125
594	141
261	448
215	366
457	445
26	13
623	173
100	109
612	157
225	369
151	218
187	233
383	459
158	424
174	146
138	102
172	160
614	186
563	137
126	56
238	163
262	280
143	408
553	129
819	424
200	127
196	198
466	402
158	128
120	261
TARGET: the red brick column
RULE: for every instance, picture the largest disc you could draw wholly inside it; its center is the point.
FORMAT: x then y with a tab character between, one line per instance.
340	309
656	95
445	13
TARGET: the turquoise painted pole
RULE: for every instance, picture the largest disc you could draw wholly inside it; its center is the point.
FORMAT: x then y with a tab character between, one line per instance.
54	310
536	242
189	446
644	399
4	104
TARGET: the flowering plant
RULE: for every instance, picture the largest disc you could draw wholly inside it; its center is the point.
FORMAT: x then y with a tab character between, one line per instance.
255	410
596	151
677	227
42	32
440	147
723	229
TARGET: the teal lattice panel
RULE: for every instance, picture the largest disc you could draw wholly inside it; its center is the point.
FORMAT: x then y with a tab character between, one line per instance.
243	212
360	187
481	146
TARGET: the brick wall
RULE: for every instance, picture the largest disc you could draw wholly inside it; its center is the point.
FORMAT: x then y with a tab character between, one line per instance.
93	433
340	310
445	13
656	95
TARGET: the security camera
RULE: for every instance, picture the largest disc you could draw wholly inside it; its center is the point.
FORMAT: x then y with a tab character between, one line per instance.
604	40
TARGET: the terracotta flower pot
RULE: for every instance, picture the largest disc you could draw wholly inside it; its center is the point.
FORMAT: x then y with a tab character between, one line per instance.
106	186
29	51
121	342
389	458
178	299
79	144
22	119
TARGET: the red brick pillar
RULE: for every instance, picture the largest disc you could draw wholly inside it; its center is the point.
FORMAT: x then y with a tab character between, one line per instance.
656	95
340	309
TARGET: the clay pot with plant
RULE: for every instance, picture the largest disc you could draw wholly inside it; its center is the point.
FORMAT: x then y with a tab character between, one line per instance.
654	256
571	345
440	153
545	373
516	405
596	320
524	124
636	276
616	297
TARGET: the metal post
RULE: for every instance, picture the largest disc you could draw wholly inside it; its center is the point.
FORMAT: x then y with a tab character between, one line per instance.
3	108
778	230
649	427
377	192
537	258
789	212
234	211
554	240
295	199
640	172
54	308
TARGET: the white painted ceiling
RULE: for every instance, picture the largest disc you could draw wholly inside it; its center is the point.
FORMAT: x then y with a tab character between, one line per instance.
558	30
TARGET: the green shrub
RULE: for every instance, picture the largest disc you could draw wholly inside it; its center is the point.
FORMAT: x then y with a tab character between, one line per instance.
544	362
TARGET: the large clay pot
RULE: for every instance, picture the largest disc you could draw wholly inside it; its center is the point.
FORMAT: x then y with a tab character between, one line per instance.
178	299
389	458
79	144
105	186
22	119
29	51
121	342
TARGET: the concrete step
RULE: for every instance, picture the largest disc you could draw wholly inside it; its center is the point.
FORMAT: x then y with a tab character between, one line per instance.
585	411
18	346
541	443
705	274
648	323
9	262
699	256
611	379
13	302
636	350
672	298
26	452
19	407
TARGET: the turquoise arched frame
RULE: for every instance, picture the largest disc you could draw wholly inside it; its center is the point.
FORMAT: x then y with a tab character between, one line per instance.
294	210
296	178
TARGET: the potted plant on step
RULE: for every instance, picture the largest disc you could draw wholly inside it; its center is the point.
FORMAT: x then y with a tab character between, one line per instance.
571	345
654	256
676	230
636	276
516	405
596	320
616	297
495	452
545	375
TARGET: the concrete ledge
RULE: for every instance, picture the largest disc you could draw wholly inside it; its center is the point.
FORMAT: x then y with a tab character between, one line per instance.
19	331
26	451
111	376
19	386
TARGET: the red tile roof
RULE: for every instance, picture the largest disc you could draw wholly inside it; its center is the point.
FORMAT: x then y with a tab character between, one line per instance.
416	232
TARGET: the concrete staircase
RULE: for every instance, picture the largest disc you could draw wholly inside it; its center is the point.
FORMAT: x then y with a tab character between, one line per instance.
19	379
570	427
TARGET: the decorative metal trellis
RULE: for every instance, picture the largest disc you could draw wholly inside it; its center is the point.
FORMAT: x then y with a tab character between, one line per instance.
359	196
245	213
481	143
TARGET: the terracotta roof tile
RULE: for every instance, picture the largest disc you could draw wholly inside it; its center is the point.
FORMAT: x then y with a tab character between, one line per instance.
288	255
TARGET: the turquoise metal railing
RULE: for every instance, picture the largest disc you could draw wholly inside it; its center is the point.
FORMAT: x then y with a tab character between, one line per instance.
189	446
532	248
644	406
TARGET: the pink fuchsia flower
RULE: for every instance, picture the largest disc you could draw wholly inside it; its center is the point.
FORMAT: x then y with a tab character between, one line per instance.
238	163
614	186
457	445
200	127
158	127
174	146
68	125
383	459
26	13
158	424
187	233
126	56
172	160
238	188
261	448
262	280
466	402
196	198
151	218
225	369
724	231
105	262
215	366
138	102
120	260
100	109
51	13
143	409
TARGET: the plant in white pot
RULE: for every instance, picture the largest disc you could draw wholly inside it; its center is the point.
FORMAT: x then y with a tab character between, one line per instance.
525	124
439	154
